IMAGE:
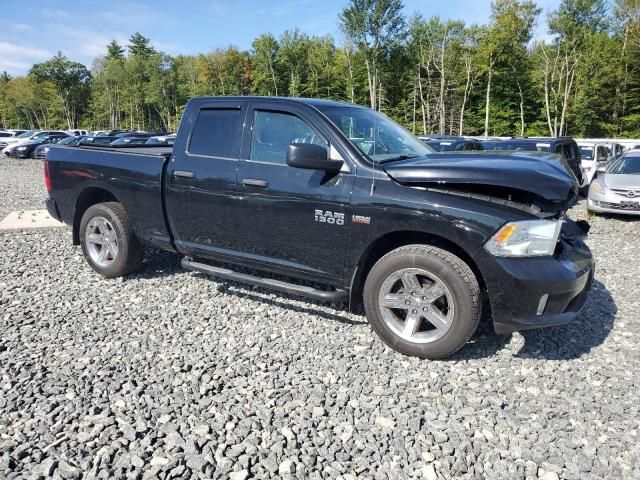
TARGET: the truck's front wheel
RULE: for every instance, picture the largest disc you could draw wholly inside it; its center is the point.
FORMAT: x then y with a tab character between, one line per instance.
108	242
422	301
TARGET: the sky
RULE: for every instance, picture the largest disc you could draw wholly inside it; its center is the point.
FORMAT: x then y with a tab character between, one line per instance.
34	30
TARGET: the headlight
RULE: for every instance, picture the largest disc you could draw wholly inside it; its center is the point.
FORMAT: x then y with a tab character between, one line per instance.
21	149
527	238
597	187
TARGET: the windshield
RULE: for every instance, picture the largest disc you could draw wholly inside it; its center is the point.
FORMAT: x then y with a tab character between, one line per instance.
625	166
379	138
586	153
26	134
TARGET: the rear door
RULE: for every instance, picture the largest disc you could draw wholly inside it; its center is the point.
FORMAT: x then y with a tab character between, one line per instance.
201	179
292	219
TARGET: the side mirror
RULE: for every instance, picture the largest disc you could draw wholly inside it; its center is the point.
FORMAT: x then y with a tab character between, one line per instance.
311	157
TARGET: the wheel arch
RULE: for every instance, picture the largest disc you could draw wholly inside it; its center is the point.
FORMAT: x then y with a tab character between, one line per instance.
390	241
88	197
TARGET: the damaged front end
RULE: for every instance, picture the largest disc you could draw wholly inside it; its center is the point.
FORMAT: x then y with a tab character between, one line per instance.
536	268
536	183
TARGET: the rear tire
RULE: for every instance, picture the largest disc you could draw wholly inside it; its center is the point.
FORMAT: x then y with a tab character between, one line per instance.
422	301
108	242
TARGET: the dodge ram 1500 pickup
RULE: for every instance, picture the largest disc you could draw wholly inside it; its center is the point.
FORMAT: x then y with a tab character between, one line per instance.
341	197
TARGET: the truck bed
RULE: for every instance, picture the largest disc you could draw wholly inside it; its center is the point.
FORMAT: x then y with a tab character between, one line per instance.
132	175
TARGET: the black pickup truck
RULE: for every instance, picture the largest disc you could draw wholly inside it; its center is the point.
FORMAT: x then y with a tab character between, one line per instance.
342	198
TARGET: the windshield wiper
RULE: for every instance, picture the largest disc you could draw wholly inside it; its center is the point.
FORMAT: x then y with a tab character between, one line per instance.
399	157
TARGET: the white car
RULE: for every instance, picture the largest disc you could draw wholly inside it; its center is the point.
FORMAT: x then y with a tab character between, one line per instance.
592	154
27	137
617	188
76	132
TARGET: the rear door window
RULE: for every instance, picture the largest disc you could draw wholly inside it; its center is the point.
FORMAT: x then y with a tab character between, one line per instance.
216	133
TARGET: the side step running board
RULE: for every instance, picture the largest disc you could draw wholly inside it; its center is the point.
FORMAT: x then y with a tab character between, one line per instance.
292	288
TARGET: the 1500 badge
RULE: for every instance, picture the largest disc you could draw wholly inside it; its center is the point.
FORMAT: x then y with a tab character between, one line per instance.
327	216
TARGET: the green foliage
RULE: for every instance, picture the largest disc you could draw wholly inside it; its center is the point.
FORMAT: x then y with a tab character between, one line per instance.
71	82
114	51
430	74
140	46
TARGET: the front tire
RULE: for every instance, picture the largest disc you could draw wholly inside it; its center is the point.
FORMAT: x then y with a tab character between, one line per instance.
108	242
422	301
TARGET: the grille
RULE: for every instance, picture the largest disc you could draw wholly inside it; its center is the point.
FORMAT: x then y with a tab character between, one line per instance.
627	192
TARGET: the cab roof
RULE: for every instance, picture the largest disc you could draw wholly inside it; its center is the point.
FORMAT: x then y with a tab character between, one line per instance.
314	102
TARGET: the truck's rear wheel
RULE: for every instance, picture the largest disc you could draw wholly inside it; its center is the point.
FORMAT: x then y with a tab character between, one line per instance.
108	242
423	301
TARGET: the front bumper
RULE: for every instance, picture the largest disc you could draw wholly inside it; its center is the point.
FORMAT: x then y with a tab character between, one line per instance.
518	287
14	154
609	202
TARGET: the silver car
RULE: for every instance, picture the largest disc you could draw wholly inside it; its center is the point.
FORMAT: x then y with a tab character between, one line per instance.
617	187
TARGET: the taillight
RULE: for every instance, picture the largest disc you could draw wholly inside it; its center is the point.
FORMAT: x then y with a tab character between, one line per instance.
47	178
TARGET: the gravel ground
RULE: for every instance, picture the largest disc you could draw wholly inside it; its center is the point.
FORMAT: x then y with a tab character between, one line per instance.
170	374
21	185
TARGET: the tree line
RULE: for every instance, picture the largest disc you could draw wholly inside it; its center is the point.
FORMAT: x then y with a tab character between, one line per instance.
429	74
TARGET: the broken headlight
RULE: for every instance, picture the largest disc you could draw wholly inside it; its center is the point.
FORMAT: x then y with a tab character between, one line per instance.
526	238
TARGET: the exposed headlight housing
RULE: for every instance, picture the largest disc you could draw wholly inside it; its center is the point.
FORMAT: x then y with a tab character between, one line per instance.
526	238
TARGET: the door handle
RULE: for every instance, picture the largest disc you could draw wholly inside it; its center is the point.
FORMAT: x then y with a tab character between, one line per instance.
184	174
252	182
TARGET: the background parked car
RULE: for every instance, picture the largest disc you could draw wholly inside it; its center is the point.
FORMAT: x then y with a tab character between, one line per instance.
7	141
161	140
103	140
26	149
566	147
7	133
41	150
614	149
129	141
140	134
109	133
591	155
617	187
459	144
28	136
77	132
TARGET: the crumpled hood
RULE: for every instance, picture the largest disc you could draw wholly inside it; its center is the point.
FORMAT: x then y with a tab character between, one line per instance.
545	176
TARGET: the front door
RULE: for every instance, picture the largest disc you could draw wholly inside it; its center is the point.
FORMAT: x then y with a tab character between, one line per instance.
290	218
